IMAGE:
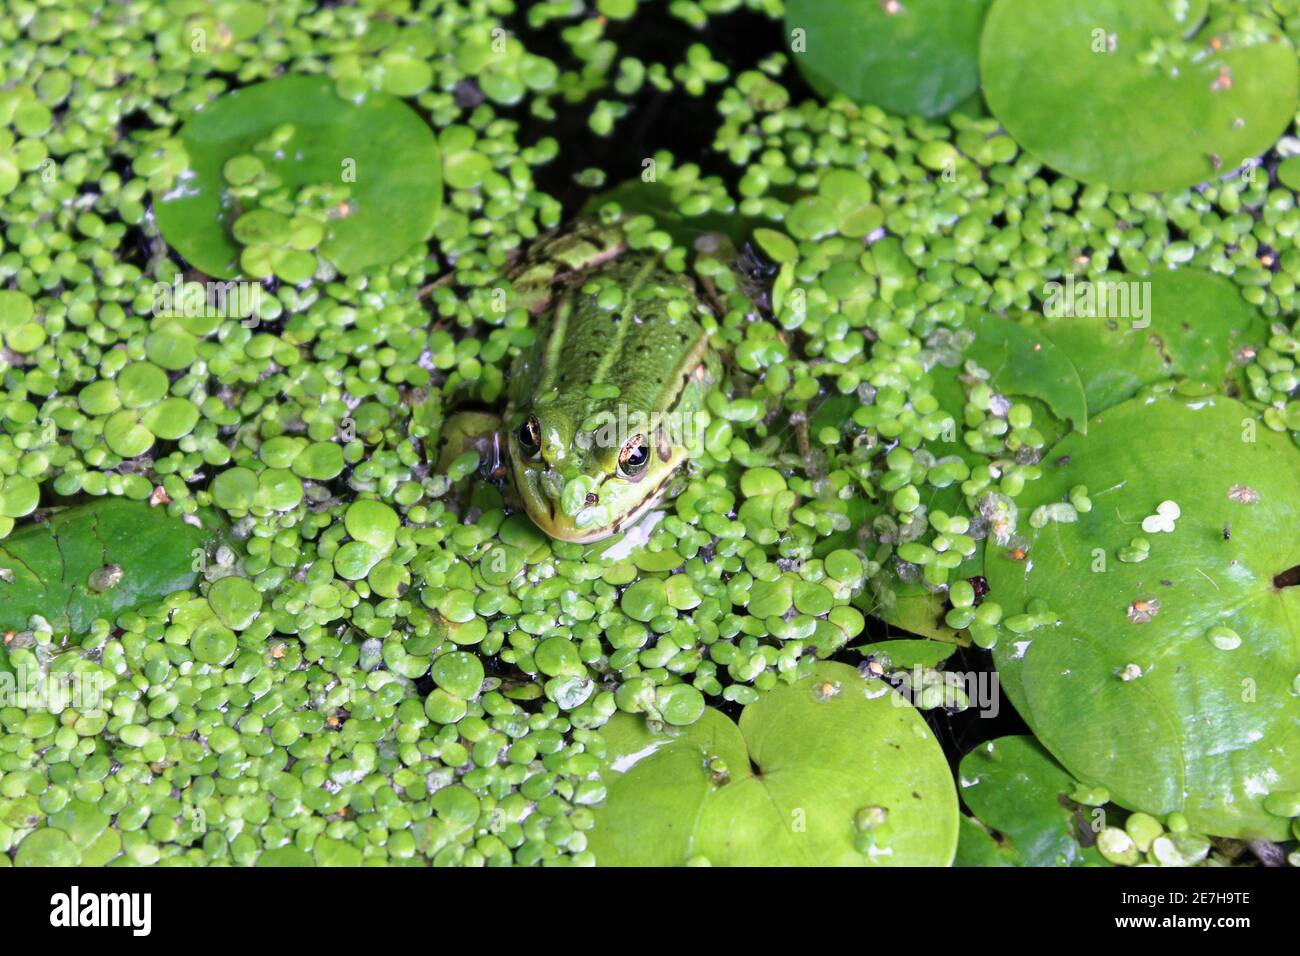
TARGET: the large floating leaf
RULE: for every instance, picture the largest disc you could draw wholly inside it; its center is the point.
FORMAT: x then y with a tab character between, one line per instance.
1135	331
1015	788
831	770
381	141
1070	81
1022	361
97	560
904	654
909	56
1173	682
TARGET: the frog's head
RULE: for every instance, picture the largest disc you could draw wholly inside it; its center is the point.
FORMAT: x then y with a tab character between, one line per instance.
584	485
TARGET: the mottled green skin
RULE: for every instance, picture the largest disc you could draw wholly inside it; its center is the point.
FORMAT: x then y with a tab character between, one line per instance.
650	345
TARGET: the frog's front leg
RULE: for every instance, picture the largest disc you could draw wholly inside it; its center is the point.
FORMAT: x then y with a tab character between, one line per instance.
479	432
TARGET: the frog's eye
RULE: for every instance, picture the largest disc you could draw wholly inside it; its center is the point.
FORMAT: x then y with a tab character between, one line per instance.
634	457
530	436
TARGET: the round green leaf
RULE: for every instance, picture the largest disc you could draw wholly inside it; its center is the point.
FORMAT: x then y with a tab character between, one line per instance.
830	770
235	601
372	522
49	565
19	496
1128	93
380	148
914	57
47	847
1176	720
459	673
1288	173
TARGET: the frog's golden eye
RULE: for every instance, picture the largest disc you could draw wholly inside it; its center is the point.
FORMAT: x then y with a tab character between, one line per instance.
530	436
634	457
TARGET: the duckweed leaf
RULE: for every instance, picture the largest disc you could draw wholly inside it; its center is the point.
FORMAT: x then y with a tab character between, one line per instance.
1128	93
1139	330
390	150
1177	720
1015	788
97	560
1022	361
1288	173
815	770
909	56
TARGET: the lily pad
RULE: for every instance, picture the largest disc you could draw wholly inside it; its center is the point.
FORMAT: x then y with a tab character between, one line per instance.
902	655
1133	94
97	560
1135	331
977	847
379	147
1022	361
1179	718
1015	788
830	770
913	57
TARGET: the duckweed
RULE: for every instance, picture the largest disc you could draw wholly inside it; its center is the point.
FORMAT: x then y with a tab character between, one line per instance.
251	259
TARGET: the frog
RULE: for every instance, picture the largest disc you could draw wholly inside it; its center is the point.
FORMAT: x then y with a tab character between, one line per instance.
606	409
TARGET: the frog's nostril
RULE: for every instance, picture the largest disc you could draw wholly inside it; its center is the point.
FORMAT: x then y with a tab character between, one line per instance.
553	450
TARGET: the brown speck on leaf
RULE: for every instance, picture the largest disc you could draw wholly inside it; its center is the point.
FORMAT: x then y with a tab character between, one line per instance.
1216	160
1243	494
892	8
1143	610
1216	44
828	689
9	637
1223	81
278	651
159	497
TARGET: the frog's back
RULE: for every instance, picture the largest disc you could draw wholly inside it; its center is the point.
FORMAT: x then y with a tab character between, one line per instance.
626	334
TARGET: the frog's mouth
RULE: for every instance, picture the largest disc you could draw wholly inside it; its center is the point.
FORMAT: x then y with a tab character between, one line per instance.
546	514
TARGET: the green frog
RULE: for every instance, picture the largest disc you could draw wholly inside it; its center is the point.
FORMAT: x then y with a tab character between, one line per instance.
608	404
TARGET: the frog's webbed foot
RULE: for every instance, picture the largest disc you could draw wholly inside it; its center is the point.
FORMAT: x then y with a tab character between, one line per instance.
478	432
